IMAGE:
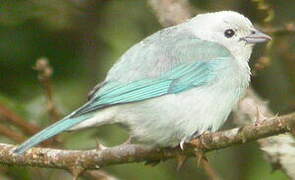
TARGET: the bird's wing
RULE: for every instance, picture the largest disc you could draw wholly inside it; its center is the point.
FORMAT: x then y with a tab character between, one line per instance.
179	79
164	63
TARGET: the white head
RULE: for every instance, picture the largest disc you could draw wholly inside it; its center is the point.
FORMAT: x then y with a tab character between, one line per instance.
230	29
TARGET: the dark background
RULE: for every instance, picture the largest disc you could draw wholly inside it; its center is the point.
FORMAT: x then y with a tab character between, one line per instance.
83	38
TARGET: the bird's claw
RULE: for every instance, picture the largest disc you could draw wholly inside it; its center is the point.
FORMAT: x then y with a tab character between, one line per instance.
181	144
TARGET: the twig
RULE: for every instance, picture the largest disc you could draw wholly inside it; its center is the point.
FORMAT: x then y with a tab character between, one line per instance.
266	59
45	73
27	127
210	170
128	153
265	6
286	29
171	12
202	160
9	133
279	150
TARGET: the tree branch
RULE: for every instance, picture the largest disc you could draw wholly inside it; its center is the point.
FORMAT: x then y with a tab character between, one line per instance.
45	73
9	133
76	160
279	150
286	29
128	153
171	12
18	121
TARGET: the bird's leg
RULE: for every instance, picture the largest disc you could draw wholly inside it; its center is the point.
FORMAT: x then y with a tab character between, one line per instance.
198	134
200	155
181	158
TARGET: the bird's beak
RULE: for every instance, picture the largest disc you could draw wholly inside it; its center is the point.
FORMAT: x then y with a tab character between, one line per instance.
256	37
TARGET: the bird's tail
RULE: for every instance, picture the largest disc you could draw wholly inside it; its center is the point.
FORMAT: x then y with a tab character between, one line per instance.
50	131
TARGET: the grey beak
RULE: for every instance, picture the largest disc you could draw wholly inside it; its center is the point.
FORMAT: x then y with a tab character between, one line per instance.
256	36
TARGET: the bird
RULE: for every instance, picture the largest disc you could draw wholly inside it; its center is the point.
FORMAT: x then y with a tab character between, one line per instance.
172	86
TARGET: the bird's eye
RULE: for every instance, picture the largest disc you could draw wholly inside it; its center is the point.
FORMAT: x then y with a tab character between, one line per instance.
229	33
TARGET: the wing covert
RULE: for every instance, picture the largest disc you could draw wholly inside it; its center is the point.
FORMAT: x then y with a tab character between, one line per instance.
177	80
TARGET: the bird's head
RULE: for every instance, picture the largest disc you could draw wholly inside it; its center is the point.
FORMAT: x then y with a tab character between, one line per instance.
230	29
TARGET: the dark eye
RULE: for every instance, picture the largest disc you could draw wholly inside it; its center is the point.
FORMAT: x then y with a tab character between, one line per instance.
229	33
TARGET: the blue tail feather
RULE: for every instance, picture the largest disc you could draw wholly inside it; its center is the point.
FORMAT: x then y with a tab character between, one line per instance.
49	132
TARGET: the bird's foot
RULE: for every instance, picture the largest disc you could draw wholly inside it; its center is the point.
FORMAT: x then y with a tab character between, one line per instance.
181	144
181	158
198	133
205	132
199	154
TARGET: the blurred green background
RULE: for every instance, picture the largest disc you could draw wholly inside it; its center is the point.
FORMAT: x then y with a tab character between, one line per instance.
83	38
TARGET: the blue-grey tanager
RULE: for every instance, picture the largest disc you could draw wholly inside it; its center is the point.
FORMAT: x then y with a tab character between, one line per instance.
176	84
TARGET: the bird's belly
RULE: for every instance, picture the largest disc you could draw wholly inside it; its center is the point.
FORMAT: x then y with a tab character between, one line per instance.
167	120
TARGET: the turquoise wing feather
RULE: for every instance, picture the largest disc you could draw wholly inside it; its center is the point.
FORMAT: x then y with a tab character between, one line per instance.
177	80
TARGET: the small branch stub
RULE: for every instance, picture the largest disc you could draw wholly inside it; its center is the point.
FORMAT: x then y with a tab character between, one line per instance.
44	76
